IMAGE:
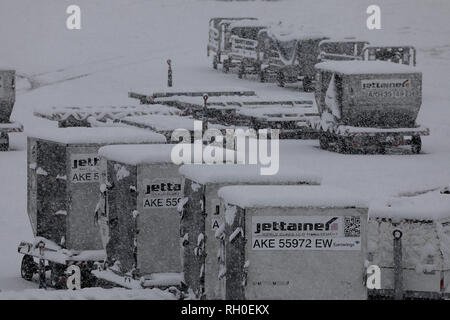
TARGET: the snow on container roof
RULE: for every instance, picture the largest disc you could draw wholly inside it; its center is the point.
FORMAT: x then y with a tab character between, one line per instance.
290	196
428	206
241	173
291	33
249	24
98	135
134	154
365	67
165	123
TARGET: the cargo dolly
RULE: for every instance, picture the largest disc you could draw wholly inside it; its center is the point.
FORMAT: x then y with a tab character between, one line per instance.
44	255
83	116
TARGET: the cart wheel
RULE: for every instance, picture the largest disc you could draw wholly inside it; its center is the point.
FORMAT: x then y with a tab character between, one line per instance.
280	79
381	149
323	141
262	76
215	62
416	144
4	141
341	146
28	267
241	71
57	276
308	84
226	66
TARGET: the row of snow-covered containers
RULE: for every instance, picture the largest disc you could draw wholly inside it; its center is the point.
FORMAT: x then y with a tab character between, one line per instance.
221	231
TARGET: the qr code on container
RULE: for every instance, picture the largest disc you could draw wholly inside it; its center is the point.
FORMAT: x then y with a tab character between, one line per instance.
352	226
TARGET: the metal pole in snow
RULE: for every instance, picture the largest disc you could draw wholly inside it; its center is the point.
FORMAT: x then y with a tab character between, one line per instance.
205	113
42	280
398	272
169	73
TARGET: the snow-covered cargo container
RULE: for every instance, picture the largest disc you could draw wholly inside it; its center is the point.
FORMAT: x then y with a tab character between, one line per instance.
63	185
290	55
296	242
219	36
202	216
368	104
424	221
63	181
140	222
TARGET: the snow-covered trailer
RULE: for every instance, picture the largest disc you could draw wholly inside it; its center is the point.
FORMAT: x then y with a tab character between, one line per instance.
138	217
368	105
396	53
64	171
290	56
83	116
292	242
7	100
169	96
167	125
219	37
424	221
245	53
291	121
342	49
202	217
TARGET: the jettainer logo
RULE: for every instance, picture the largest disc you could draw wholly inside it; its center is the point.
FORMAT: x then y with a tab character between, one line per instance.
84	168
162	193
386	84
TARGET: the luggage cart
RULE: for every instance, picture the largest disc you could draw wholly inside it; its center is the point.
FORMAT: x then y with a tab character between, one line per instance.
398	54
219	37
245	53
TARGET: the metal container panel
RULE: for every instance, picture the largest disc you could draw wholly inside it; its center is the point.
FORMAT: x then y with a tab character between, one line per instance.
191	225
158	222
365	101
7	94
48	189
293	274
121	202
83	175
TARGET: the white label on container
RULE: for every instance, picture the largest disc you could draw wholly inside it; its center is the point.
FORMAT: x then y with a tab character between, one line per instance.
306	233
162	193
84	168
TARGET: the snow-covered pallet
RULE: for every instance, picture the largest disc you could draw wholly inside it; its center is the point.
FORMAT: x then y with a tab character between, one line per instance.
79	116
166	125
155	280
198	92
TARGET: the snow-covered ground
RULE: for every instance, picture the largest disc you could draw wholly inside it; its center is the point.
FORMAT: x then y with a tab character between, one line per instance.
124	45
